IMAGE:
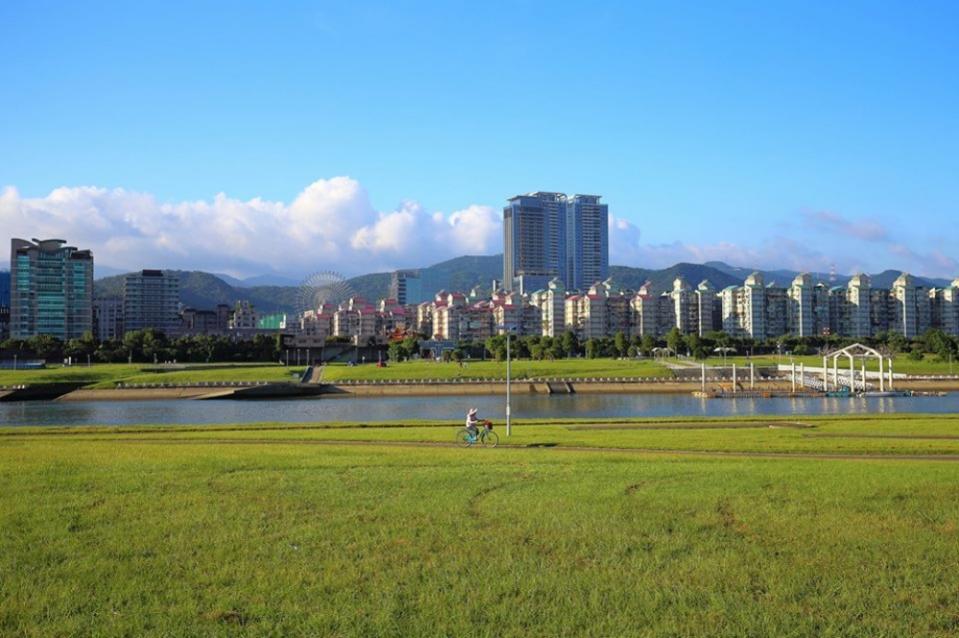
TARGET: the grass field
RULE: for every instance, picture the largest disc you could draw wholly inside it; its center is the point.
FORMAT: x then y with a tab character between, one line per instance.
270	530
522	369
106	375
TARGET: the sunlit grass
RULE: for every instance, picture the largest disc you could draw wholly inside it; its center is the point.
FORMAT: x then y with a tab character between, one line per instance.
520	369
155	535
107	375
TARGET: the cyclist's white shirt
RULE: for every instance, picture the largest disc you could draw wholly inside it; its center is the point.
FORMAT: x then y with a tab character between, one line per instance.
471	421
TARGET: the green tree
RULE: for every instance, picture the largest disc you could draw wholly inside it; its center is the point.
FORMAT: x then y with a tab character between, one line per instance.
674	340
154	345
80	349
646	345
495	347
939	343
556	349
897	342
411	346
695	346
591	349
620	343
44	346
570	343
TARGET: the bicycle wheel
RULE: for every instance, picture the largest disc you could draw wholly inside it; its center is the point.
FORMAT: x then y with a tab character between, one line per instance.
463	438
490	439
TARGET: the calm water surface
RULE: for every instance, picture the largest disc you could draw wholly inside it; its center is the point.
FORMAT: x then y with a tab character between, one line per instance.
449	407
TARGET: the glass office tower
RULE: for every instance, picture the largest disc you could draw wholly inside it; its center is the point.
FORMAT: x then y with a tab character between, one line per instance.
51	289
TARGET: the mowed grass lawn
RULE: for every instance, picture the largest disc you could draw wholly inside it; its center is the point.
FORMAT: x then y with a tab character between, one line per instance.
97	373
149	533
107	375
520	369
239	373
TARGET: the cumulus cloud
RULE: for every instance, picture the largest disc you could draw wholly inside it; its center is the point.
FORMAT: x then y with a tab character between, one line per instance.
331	224
624	244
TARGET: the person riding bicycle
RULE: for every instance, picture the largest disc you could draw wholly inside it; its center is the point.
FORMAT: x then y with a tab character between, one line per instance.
472	422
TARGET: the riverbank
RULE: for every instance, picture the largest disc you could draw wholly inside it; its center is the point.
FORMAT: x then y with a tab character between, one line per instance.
460	388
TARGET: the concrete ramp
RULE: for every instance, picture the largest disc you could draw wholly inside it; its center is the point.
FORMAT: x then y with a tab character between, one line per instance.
43	392
559	387
270	391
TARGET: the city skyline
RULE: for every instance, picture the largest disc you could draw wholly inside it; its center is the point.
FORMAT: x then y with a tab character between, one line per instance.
764	136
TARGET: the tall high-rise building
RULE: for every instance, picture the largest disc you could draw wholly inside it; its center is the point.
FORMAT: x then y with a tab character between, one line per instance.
587	241
684	307
534	241
709	308
151	299
4	289
911	308
858	307
550	235
754	306
108	318
4	305
406	287
51	289
949	308
800	317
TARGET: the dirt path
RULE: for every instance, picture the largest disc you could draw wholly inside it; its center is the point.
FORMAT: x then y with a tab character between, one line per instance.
545	447
692	426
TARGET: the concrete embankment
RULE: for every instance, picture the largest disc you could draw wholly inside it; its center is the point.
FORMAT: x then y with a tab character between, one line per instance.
527	387
42	392
268	391
134	394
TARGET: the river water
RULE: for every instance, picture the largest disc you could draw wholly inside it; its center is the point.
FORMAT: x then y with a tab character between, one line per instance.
453	408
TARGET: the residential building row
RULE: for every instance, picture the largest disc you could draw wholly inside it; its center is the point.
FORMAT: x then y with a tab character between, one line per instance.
51	292
756	309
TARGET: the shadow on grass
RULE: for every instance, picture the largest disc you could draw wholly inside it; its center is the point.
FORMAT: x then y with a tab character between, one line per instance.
541	445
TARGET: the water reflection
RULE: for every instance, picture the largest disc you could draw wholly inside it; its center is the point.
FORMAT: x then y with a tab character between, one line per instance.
452	408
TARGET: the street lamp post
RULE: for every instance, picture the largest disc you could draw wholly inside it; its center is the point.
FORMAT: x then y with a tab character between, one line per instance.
509	426
509	423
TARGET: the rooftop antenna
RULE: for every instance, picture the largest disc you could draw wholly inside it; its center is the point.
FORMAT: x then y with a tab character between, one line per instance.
832	274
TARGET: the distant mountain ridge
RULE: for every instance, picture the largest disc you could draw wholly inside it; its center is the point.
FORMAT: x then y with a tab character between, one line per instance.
784	277
204	290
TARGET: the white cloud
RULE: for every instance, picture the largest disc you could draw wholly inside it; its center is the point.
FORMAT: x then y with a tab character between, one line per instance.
331	224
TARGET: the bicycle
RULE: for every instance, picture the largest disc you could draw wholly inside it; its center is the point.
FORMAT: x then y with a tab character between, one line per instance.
484	436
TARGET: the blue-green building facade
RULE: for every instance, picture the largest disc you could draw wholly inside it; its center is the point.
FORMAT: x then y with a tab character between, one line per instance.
51	289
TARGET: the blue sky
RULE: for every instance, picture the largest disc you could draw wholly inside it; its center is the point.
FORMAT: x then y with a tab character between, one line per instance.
769	134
